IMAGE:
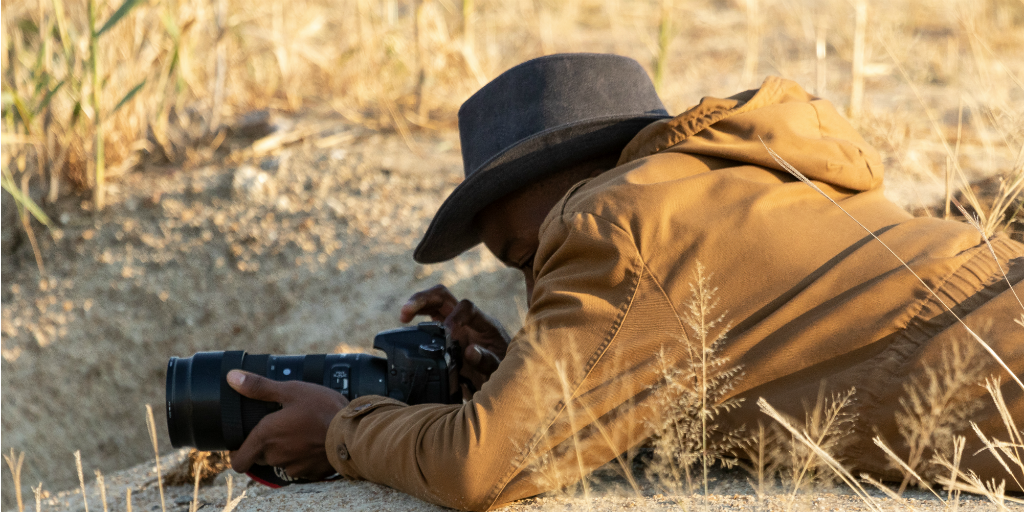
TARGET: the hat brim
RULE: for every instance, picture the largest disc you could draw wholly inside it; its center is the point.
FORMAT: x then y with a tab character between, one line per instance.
451	231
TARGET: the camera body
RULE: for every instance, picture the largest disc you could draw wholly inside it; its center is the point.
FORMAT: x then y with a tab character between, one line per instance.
203	411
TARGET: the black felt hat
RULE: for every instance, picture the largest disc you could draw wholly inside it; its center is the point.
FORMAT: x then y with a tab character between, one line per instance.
536	118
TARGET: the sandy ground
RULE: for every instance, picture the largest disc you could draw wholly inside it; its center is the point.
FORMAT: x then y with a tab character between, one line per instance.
730	491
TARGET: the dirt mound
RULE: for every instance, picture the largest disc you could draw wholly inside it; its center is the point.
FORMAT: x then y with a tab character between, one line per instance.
305	250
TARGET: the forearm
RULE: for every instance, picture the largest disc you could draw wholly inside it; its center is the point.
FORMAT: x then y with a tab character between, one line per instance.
570	395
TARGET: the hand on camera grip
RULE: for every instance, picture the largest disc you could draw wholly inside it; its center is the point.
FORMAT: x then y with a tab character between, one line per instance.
294	437
482	338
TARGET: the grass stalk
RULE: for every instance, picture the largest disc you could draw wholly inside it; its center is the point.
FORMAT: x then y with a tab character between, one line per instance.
103	489
81	478
704	312
567	397
820	52
421	58
953	493
231	504
664	40
857	73
99	160
760	461
38	492
906	468
198	471
950	159
753	42
220	67
1016	435
833	464
891	494
151	423
14	462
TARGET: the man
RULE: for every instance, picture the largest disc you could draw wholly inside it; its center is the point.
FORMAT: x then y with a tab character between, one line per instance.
616	213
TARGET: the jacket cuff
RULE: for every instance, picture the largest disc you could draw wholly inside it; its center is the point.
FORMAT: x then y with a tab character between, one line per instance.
343	427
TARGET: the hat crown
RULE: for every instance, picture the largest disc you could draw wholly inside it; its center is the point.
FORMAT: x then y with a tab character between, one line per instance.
541	116
548	93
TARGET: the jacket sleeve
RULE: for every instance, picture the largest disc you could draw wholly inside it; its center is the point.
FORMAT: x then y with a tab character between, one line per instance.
571	394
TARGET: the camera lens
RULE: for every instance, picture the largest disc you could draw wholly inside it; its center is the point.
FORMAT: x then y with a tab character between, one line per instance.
204	412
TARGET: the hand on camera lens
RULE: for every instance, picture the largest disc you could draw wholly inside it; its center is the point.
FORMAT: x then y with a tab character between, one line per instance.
294	437
482	338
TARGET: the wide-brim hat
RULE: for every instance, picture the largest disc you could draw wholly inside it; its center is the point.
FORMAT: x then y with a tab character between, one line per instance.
541	116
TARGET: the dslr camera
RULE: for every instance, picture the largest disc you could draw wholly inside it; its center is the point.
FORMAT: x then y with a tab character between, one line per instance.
421	366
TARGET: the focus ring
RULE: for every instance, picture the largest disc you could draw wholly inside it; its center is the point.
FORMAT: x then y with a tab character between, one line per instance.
254	410
231	401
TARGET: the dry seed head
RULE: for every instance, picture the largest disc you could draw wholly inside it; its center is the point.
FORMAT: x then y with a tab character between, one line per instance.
692	393
938	404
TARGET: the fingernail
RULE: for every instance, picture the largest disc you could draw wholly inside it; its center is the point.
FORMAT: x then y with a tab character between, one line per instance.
236	378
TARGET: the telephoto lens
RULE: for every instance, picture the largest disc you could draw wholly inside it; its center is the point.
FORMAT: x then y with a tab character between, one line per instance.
203	411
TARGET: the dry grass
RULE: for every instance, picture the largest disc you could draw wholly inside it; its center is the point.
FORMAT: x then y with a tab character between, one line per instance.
154	89
202	465
155	86
936	407
693	396
14	463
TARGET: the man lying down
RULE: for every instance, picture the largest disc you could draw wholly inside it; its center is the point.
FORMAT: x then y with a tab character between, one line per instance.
616	213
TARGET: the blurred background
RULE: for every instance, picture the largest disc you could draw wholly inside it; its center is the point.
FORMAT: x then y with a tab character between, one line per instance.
184	175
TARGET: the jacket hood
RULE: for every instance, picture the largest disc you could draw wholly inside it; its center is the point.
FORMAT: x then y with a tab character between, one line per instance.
804	130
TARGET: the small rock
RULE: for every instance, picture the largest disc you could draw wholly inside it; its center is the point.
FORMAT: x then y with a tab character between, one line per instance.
254	124
252	183
270	164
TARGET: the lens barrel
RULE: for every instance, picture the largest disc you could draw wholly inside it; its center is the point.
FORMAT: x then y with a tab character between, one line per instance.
203	411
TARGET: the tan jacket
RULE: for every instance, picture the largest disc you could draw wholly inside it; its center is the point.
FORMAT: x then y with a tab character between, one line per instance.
806	297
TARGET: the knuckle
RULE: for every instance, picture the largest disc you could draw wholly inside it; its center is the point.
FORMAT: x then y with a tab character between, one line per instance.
464	308
256	384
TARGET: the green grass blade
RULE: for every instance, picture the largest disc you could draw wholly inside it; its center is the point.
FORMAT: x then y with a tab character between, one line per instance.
128	97
125	8
23	112
49	96
76	113
171	26
62	29
24	200
28	26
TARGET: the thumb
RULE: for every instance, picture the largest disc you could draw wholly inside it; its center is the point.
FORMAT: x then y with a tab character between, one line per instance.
254	386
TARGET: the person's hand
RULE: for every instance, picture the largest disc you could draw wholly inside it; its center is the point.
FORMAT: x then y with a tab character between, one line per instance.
483	340
294	437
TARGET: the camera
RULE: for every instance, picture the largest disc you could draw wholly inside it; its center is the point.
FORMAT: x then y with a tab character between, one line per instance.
203	411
